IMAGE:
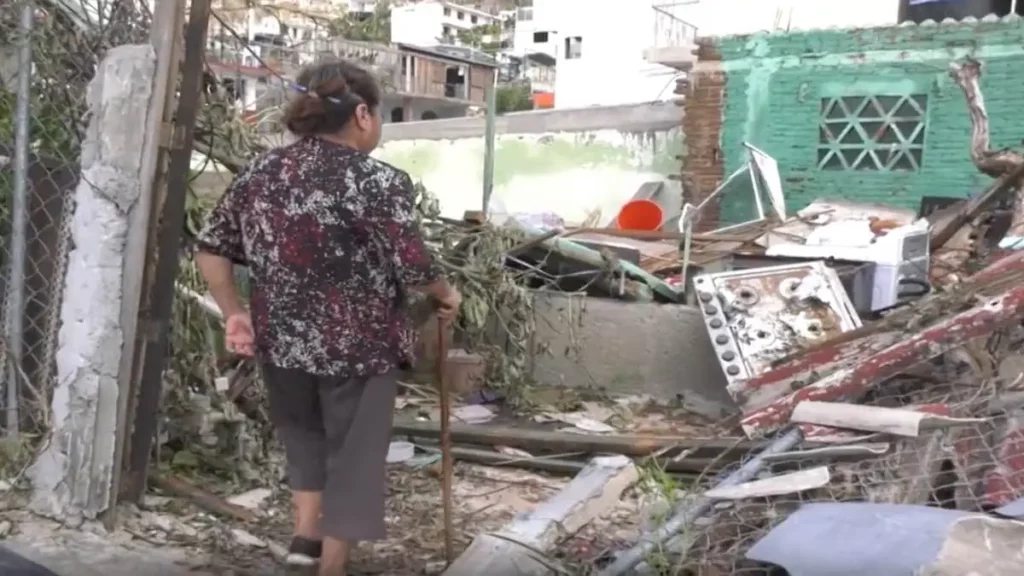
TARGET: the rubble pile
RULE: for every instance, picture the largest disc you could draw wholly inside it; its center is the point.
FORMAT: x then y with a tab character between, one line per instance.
880	355
872	353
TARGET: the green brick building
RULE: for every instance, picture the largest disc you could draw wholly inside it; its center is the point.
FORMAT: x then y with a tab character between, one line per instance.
869	115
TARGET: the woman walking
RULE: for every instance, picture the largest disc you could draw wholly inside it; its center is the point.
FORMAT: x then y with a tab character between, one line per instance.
332	245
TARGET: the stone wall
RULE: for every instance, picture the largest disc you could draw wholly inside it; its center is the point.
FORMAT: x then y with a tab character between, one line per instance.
775	86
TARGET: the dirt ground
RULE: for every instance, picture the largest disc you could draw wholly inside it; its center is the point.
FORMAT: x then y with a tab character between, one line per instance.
485	499
179	531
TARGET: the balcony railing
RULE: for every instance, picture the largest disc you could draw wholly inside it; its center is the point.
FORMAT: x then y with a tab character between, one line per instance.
670	28
396	71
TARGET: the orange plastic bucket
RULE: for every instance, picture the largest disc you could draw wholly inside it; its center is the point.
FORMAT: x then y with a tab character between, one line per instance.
640	215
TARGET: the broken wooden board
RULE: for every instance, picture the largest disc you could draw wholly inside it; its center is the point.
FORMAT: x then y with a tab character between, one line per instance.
906	422
799	481
933	341
520	547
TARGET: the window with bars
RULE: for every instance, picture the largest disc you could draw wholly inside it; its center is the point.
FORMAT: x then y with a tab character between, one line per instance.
873	133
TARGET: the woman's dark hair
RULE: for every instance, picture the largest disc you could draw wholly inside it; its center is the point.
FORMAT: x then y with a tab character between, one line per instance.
330	93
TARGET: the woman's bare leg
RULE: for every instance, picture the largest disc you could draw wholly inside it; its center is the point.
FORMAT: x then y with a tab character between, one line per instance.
307	514
334	561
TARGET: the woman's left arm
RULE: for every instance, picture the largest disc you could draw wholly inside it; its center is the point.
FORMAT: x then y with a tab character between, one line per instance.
219	246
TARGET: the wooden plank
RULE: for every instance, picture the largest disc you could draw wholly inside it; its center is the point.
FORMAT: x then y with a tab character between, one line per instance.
563	442
168	43
154	322
520	547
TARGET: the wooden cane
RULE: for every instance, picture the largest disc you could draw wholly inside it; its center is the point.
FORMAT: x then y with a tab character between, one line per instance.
446	444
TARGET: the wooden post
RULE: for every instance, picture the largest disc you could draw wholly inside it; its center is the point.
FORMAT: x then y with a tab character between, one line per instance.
167	41
154	324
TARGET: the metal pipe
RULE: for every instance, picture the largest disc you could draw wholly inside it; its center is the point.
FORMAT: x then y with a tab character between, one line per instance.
489	147
19	220
701	506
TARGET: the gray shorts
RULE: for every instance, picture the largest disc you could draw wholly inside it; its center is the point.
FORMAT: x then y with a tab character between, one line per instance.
336	433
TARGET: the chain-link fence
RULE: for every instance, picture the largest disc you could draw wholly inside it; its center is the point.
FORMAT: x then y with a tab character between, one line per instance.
48	56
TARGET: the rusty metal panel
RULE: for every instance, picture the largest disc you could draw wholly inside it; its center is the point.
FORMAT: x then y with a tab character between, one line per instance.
758	316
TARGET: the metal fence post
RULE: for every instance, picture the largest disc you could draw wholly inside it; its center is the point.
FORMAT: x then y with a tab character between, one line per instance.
19	220
489	147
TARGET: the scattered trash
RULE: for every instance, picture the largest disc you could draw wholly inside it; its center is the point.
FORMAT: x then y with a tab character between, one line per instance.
400	452
246	539
253	499
472	414
774	486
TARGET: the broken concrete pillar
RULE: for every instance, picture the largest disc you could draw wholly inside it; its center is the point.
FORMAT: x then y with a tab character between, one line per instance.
72	475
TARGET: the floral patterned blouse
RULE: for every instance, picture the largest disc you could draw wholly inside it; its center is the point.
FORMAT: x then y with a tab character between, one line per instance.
331	241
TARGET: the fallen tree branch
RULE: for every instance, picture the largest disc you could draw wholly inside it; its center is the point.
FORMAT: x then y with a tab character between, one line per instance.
995	163
205	500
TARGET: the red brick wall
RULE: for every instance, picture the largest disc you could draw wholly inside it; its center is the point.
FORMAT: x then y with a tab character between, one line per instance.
703	163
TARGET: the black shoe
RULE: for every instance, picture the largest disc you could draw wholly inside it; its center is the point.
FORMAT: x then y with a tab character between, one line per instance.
303	552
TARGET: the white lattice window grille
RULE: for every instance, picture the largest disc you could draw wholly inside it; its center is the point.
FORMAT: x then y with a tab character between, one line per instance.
872	133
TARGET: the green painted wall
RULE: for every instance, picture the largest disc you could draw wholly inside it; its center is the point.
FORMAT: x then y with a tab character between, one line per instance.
775	83
569	173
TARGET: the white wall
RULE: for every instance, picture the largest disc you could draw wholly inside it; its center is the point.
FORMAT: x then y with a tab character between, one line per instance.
424	23
417	24
523	40
615	33
611	69
570	162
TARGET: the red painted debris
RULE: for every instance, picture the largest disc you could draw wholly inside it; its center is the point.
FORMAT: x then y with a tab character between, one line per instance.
766	388
878	366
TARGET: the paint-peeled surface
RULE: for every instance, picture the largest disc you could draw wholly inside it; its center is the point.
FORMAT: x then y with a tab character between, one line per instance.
776	83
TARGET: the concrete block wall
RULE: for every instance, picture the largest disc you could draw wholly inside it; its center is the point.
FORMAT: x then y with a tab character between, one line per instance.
573	163
629	348
774	84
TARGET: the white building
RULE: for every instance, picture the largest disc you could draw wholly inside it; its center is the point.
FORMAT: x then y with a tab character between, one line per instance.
598	48
433	22
626	51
